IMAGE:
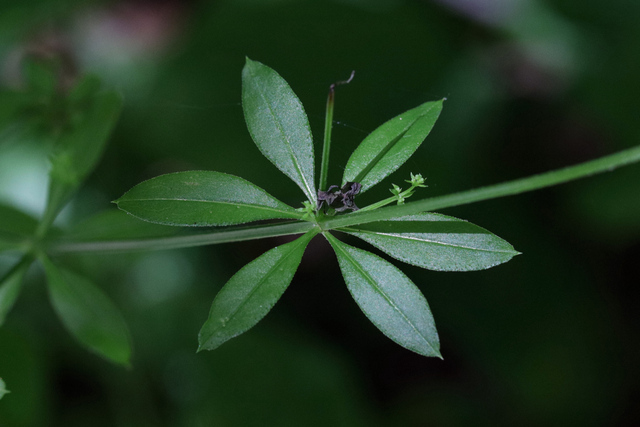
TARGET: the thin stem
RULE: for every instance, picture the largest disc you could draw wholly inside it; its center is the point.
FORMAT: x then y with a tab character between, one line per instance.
535	182
398	195
518	186
175	242
328	126
57	196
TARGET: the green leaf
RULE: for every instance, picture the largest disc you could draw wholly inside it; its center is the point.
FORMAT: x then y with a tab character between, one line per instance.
15	227
80	148
251	292
436	242
14	222
390	145
12	108
388	298
10	286
3	389
202	198
82	92
88	314
113	225
40	76
278	124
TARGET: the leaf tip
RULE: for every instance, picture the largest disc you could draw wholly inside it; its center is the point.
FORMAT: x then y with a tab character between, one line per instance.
248	62
202	346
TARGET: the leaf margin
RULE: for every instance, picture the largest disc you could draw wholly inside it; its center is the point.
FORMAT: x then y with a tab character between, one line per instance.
373	151
285	211
361	232
57	279
305	172
217	316
432	349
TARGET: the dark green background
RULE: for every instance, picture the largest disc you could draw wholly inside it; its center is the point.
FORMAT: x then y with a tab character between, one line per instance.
548	338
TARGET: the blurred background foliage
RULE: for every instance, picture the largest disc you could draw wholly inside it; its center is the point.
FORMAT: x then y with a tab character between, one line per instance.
551	337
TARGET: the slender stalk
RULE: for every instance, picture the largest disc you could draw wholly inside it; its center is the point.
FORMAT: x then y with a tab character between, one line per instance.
535	182
328	127
175	242
57	196
398	195
604	164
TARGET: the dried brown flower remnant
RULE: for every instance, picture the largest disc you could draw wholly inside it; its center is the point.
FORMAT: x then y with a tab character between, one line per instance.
340	199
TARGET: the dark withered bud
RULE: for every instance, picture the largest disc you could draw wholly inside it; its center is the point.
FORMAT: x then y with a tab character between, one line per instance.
327	197
339	199
348	192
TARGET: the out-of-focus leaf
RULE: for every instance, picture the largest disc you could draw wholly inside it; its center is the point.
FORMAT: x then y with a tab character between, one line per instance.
115	224
40	76
10	286
80	147
12	103
15	226
278	124
84	89
3	389
390	145
202	198
88	314
249	295
388	298
14	222
436	242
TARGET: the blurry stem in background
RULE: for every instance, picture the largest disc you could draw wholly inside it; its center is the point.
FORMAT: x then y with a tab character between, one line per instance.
535	182
328	126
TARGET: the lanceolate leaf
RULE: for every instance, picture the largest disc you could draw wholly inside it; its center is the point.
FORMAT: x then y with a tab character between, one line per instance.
88	314
436	242
202	198
116	225
390	145
16	222
10	286
278	124
388	298
251	292
80	148
15	226
3	388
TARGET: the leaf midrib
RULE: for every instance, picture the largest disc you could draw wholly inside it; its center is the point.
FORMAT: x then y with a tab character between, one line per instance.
431	242
372	281
374	162
288	144
246	299
263	207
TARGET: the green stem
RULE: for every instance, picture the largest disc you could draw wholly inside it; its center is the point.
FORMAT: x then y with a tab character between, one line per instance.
328	127
535	182
175	242
326	146
518	186
396	198
59	193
